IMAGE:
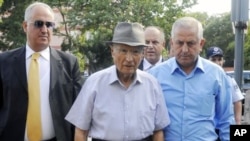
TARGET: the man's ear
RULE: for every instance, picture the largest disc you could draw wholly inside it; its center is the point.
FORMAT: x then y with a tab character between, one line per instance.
25	25
202	43
164	45
111	49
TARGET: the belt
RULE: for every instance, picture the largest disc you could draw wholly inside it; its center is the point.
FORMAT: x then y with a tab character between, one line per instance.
149	138
53	139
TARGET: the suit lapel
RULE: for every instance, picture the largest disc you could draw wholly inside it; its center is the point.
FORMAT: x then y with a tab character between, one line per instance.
141	65
19	65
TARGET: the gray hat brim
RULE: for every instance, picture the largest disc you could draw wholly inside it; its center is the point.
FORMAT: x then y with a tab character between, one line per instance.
130	34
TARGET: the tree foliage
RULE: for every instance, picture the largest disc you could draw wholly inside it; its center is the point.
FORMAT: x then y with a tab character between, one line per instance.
94	20
218	32
11	24
1	1
98	18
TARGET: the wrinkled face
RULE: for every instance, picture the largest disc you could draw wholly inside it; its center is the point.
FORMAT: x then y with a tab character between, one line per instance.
217	60
186	47
126	58
155	45
39	28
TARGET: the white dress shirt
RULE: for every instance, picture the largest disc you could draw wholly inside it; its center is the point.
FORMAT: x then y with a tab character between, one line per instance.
48	131
147	66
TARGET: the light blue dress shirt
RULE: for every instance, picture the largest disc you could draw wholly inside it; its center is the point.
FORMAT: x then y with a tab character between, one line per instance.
112	112
195	101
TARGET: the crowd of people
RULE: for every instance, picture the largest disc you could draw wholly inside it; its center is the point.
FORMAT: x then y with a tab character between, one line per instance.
142	97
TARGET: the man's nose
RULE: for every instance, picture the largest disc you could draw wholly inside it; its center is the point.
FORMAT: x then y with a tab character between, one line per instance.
129	56
44	28
150	44
185	48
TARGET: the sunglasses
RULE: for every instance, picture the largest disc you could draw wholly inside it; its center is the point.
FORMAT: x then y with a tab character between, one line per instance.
40	24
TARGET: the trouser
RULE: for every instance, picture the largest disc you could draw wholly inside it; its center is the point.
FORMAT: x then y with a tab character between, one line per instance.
217	131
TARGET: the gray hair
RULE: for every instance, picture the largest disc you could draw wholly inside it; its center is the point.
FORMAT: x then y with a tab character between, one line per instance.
162	34
30	8
188	22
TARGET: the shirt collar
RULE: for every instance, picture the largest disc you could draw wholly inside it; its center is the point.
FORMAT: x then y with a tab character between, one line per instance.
147	65
114	77
44	53
199	65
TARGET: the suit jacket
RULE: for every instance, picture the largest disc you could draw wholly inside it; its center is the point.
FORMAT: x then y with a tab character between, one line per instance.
65	84
141	65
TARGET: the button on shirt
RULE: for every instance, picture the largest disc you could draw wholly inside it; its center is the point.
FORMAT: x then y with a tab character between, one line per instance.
195	101
112	112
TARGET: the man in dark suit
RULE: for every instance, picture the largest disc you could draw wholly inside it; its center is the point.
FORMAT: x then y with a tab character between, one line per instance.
155	39
59	82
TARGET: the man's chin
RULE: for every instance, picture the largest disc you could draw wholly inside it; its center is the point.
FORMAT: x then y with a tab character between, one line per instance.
42	46
151	59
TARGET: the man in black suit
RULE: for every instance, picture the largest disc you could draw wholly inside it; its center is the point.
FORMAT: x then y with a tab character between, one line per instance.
59	77
155	39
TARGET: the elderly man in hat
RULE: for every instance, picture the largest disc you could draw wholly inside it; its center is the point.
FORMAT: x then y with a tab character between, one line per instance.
121	103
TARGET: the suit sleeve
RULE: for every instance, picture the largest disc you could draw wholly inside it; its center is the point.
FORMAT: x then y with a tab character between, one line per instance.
1	85
77	79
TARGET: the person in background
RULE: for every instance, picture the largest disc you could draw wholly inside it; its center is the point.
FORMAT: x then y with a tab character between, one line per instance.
196	90
215	54
170	52
121	102
155	39
38	84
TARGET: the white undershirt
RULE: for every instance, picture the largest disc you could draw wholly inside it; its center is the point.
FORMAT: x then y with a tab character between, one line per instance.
147	66
48	131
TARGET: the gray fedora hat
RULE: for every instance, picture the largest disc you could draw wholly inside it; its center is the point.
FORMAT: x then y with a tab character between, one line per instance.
131	34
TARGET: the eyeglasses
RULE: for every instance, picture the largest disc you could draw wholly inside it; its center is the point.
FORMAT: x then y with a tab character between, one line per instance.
39	24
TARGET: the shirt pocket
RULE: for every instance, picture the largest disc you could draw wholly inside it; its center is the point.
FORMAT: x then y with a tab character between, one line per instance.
206	105
146	121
